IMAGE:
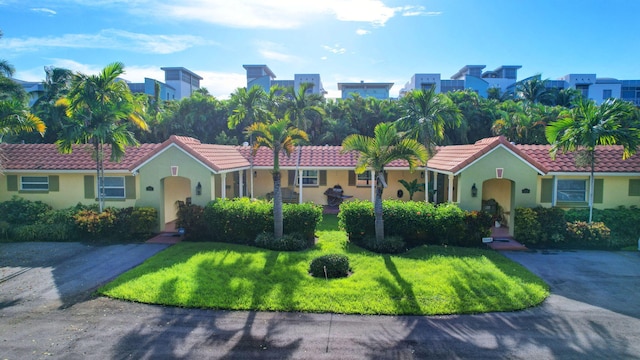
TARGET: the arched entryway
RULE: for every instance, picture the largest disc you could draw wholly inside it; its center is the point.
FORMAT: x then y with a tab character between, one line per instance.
498	197
175	188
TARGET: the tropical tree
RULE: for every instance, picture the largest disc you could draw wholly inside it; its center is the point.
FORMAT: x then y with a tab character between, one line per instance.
533	90
99	108
279	136
587	125
302	107
16	118
249	106
427	115
374	153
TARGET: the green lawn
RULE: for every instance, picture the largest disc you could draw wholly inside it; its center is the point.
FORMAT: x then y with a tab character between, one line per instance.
426	280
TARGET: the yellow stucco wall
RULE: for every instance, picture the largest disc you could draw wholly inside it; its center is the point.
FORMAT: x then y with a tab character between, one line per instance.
615	191
71	191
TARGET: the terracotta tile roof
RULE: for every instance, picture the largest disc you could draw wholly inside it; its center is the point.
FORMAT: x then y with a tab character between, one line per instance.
47	157
312	156
608	159
454	158
217	157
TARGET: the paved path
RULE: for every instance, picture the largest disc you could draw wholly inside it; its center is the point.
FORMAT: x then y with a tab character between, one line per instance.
592	314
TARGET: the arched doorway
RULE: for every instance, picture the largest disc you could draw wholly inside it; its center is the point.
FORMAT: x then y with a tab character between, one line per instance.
175	188
502	192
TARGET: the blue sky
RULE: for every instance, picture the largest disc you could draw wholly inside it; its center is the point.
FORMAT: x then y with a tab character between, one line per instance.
342	40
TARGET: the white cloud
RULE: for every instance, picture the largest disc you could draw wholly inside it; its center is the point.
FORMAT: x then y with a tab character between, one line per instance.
221	85
418	11
108	39
336	49
273	51
45	10
363	32
280	14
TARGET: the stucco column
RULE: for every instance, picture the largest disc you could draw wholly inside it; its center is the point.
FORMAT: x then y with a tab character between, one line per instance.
450	190
554	195
223	190
435	187
241	183
426	184
300	186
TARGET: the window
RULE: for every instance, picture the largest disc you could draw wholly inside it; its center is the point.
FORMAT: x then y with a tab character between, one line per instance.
310	178
34	183
571	190
364	179
113	187
634	187
606	94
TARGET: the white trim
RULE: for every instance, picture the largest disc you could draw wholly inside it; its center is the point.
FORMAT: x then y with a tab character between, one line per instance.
137	168
58	172
596	174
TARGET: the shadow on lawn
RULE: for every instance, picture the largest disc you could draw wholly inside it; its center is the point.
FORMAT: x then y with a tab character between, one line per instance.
217	329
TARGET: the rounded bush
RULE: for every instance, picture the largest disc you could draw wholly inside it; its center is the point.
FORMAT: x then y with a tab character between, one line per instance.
288	242
336	265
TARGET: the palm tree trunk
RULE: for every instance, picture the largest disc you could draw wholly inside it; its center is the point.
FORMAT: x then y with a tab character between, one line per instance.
278	226
591	185
377	210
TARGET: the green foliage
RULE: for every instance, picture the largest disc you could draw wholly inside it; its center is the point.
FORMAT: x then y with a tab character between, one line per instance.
288	242
390	244
527	228
302	218
96	224
44	232
624	222
242	220
477	225
336	265
136	222
417	223
584	235
543	227
191	219
19	211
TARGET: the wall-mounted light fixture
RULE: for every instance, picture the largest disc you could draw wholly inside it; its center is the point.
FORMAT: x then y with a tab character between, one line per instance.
199	189
474	190
255	174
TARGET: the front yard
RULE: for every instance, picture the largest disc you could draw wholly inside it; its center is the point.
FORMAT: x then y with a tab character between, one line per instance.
427	280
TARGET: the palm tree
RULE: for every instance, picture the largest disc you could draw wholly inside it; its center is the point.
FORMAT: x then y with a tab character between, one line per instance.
587	125
412	187
376	152
533	90
427	115
15	118
98	108
279	136
56	85
301	106
248	106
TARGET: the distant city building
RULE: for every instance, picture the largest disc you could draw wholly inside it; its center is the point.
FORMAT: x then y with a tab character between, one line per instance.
184	81
262	76
33	88
365	89
166	92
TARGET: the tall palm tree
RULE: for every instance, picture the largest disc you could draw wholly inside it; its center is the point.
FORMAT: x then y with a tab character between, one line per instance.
99	108
376	152
56	85
427	115
279	136
249	106
533	90
587	125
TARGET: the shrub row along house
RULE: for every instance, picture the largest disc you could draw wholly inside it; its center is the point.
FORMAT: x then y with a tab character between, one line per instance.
490	174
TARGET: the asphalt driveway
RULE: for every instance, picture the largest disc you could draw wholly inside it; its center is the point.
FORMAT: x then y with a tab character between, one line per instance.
47	311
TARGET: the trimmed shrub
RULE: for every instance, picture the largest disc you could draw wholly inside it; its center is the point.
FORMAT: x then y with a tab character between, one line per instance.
477	225
357	219
45	232
135	222
624	222
449	225
302	219
553	225
191	219
95	224
288	242
19	211
527	228
390	244
336	265
584	235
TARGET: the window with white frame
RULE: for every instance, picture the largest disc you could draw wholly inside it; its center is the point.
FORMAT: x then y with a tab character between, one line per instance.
34	183
310	177
363	179
113	187
571	191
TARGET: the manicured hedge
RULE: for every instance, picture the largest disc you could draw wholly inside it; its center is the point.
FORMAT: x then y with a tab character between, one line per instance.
241	220
35	221
417	223
555	228
624	222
